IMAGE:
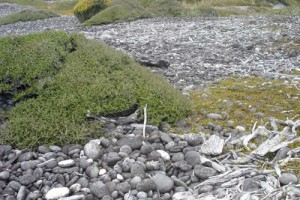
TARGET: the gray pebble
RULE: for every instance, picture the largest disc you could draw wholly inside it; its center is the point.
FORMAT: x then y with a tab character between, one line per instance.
192	158
99	189
204	172
287	178
4	175
92	171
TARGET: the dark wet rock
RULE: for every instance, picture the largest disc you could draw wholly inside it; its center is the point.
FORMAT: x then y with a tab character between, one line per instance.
99	189
204	172
112	158
133	142
192	158
146	185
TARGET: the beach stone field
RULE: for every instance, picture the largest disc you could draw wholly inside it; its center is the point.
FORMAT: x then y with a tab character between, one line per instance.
157	164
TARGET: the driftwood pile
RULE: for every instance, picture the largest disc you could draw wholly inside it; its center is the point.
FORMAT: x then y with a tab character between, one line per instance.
236	169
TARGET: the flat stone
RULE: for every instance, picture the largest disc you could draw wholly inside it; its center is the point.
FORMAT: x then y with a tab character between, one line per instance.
66	163
27	179
193	139
214	116
204	172
133	142
56	193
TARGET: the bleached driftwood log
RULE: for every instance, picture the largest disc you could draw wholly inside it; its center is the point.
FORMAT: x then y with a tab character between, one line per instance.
216	166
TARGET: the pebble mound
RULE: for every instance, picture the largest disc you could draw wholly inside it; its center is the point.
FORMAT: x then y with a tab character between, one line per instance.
159	169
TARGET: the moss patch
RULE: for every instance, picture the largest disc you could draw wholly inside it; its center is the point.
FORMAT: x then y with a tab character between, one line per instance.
56	78
26	16
246	101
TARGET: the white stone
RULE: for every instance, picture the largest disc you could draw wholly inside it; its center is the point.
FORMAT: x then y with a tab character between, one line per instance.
183	196
66	163
240	129
213	146
74	197
86	190
56	193
102	172
164	155
120	177
75	187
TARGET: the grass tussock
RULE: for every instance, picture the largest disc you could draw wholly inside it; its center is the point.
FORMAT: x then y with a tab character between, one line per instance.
26	16
55	78
246	101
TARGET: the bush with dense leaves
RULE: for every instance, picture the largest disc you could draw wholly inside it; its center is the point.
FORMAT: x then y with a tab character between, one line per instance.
55	78
85	9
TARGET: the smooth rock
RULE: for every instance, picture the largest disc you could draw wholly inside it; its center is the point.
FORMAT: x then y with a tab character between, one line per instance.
99	189
204	172
214	116
165	137
4	175
163	183
193	139
133	142
164	155
112	158
66	163
22	193
92	171
287	178
27	179
192	158
56	193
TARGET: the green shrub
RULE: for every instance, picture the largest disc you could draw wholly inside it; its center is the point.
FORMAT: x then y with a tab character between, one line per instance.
26	16
85	9
120	10
57	77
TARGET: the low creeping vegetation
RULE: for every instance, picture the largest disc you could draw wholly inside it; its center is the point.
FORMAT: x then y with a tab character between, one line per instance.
247	100
55	78
26	16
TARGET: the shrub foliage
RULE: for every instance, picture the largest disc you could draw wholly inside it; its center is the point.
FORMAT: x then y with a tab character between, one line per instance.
54	78
85	9
26	16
